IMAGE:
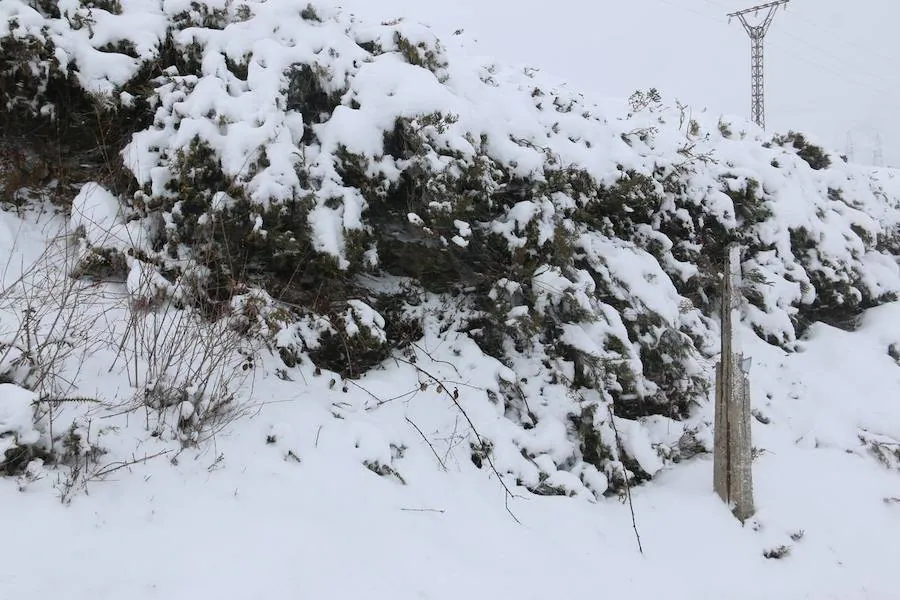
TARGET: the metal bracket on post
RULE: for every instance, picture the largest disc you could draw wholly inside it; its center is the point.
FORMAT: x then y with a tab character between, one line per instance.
732	470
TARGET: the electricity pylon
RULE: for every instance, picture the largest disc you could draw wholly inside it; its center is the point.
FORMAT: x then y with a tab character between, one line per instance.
849	150
878	152
757	34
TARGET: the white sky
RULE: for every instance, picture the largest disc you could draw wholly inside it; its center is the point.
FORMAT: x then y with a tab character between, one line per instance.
832	66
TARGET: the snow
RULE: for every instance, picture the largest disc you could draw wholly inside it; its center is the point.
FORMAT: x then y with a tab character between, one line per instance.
636	443
362	316
282	502
292	515
16	416
101	216
97	211
145	283
306	484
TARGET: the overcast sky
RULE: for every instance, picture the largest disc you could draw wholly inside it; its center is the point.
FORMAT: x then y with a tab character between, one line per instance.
832	67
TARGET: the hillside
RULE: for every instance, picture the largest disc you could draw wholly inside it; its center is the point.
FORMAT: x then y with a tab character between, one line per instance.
328	292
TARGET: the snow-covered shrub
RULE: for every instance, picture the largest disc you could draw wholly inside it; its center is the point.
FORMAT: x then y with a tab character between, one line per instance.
815	156
29	63
281	166
19	439
421	51
885	448
26	434
67	120
103	264
355	341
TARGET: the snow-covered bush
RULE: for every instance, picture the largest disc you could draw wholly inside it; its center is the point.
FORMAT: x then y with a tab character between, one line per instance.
815	156
283	156
18	436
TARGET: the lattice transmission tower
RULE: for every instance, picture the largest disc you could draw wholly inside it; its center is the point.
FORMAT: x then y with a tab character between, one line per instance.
757	35
878	152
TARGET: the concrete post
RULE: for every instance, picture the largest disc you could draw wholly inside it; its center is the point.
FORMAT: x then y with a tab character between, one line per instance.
732	472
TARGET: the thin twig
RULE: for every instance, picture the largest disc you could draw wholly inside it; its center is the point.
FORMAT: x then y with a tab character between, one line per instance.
427	441
450	441
436	361
525	402
474	430
463	384
612	420
115	466
380	401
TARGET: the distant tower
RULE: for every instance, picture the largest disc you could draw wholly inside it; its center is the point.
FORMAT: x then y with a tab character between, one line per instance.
757	34
848	148
878	153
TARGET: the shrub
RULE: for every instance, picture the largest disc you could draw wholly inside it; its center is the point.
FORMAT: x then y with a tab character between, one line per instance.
813	155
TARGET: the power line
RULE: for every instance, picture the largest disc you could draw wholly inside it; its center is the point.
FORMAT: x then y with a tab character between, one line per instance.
838	58
848	41
686	9
842	76
796	16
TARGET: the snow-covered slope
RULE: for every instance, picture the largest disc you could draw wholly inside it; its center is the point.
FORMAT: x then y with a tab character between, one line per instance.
357	314
280	505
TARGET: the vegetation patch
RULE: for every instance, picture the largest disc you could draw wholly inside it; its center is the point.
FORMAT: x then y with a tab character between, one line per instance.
813	155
